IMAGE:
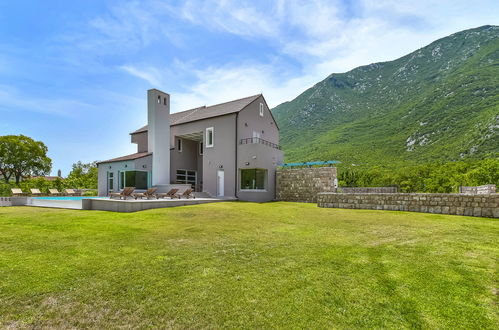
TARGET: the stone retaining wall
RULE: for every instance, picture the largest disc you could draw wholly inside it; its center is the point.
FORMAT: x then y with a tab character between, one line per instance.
478	190
478	206
303	184
368	190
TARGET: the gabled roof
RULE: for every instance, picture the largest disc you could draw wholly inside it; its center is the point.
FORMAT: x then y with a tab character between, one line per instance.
127	157
207	112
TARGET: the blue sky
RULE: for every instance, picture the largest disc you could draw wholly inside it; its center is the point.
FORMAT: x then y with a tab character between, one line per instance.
74	74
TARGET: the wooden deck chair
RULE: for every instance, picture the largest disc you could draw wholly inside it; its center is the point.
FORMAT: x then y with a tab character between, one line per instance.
54	192
72	192
172	194
188	193
35	192
125	193
17	192
151	192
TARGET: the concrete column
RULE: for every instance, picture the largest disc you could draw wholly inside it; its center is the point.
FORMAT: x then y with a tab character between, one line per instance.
158	137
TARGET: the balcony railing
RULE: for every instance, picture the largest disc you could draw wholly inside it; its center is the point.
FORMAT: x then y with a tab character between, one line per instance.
257	140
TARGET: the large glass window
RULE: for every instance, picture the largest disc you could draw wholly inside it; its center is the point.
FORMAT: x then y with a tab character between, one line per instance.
254	178
137	179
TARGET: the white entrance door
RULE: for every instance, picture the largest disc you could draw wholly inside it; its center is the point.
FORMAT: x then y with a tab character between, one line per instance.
220	183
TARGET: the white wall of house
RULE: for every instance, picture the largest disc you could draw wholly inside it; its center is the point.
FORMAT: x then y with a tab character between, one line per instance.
140	164
219	157
158	138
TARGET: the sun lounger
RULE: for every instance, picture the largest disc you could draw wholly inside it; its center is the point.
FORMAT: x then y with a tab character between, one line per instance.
125	193
72	192
35	192
17	192
188	193
151	192
54	192
172	194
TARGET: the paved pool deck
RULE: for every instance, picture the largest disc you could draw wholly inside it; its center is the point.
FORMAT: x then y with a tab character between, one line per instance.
116	205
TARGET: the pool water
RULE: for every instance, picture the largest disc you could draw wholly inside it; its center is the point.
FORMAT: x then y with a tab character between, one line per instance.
67	198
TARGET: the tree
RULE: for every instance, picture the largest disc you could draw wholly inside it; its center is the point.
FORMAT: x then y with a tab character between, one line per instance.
21	156
83	176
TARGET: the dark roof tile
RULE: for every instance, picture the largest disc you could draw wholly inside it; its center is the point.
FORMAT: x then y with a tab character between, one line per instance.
206	112
127	157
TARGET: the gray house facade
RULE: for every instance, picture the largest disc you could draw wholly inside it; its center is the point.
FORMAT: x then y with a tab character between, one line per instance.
226	150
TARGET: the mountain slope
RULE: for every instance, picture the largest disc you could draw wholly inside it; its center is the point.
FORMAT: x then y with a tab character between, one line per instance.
440	102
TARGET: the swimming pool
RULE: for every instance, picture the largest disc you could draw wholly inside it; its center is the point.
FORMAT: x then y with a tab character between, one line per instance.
67	198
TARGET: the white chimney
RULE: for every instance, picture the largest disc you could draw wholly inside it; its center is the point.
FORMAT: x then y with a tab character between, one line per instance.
158	136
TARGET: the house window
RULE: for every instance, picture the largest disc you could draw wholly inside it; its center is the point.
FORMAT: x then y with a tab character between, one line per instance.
256	137
210	138
201	148
261	109
164	101
179	145
137	179
186	177
159	99
253	179
110	181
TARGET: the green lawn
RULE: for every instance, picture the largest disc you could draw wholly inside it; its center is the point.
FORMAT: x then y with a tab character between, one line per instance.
247	265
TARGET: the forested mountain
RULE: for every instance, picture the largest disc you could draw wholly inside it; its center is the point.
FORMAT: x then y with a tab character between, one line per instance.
439	103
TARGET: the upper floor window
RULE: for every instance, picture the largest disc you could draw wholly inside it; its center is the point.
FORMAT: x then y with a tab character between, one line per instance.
164	101
159	99
261	109
179	145
210	137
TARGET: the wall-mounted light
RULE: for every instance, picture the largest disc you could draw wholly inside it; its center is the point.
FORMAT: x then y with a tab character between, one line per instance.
110	167
144	166
220	166
246	124
126	165
254	157
247	163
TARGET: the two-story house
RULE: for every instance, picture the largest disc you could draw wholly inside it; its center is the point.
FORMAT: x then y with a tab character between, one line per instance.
229	149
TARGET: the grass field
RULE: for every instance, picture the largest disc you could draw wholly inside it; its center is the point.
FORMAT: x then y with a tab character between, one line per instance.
247	265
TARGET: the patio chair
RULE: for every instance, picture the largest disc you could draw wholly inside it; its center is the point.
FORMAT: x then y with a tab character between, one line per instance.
72	192
172	194
188	193
35	192
125	193
17	192
54	192
151	192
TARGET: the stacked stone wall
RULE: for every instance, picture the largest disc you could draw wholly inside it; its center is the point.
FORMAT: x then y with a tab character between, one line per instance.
303	184
478	190
457	204
368	190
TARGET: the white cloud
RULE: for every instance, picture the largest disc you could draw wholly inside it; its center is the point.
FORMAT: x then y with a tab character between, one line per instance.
149	74
128	27
11	99
321	36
